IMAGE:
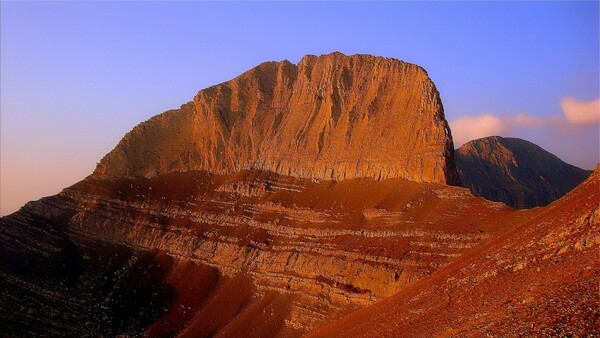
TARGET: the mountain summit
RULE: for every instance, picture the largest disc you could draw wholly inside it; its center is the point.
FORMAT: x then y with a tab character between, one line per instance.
329	117
516	172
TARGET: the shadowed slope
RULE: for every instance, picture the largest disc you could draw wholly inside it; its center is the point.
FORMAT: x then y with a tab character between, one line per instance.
539	279
514	171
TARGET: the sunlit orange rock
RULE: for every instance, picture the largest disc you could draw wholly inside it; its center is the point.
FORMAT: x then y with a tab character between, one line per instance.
329	117
277	202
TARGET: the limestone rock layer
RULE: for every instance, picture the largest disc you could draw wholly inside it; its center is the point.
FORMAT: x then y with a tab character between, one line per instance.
329	117
253	254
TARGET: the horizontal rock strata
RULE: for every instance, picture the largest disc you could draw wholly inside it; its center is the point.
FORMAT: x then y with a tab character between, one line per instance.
326	247
541	279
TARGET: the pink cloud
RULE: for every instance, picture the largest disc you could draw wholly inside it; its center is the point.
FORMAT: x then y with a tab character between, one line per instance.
581	112
467	128
577	115
573	135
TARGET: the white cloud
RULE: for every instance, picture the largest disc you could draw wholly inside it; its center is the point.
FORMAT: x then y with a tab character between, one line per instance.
581	112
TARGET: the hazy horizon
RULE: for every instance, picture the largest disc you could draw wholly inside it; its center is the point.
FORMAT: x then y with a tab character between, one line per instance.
75	77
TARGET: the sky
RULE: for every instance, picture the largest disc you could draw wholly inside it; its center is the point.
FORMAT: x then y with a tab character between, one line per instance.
76	76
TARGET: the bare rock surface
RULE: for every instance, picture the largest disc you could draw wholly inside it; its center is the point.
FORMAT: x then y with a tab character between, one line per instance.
329	117
516	172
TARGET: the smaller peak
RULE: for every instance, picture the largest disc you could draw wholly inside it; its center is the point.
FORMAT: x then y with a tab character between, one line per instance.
503	147
513	139
336	53
488	139
307	59
497	140
515	171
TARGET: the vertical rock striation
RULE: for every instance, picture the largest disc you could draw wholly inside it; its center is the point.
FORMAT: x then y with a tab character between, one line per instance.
329	117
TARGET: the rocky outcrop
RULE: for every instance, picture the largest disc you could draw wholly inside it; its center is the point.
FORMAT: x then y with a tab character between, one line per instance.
329	117
514	171
540	279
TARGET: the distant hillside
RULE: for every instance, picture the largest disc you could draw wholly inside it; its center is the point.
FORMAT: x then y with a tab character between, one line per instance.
516	172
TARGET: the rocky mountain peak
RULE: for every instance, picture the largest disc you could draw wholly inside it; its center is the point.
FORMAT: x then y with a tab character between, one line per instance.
516	172
329	117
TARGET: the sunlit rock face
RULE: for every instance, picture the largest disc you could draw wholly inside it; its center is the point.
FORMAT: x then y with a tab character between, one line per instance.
516	172
329	117
289	195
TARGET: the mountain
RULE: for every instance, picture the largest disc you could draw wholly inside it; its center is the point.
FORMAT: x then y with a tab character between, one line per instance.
514	171
273	203
540	279
269	204
329	117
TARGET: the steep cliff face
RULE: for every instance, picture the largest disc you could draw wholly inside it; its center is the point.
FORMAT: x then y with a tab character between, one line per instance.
330	117
541	279
516	172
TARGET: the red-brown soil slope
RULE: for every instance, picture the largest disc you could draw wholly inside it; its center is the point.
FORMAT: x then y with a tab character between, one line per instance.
329	117
539	279
516	172
253	253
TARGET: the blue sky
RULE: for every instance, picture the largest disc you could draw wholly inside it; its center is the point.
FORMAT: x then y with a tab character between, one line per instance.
75	76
